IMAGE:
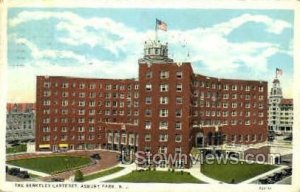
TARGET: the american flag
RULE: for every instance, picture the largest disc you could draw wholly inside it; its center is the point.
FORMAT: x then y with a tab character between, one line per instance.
278	72
161	25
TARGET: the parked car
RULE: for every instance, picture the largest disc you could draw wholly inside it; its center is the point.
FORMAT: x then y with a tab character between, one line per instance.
14	171
96	156
263	180
57	179
24	175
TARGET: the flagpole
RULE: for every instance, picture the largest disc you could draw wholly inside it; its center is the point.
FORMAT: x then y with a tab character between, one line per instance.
156	35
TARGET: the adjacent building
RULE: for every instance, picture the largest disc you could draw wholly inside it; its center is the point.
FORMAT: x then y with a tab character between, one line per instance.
20	122
280	110
168	109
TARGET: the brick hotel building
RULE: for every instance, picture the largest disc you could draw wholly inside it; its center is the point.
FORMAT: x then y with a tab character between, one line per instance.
169	109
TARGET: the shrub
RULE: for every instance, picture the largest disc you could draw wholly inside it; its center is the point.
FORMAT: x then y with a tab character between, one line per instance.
78	175
173	170
181	172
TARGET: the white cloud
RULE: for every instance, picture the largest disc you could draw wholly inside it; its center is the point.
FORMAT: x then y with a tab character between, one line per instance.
206	45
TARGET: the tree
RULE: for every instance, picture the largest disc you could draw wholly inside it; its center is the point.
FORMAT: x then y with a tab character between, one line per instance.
78	175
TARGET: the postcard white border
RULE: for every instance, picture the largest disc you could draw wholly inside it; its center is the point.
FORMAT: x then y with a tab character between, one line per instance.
201	4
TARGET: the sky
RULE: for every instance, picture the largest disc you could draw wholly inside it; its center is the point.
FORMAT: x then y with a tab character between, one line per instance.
107	43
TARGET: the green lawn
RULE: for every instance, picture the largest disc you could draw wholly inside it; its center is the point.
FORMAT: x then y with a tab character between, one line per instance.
102	173
239	172
157	177
51	164
17	149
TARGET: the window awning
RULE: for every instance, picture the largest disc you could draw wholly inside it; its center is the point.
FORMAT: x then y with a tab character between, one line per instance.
63	145
44	146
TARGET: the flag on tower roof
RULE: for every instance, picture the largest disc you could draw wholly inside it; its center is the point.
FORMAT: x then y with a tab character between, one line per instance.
161	25
279	72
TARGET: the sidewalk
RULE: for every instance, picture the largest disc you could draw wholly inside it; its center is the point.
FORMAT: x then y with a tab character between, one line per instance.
195	171
263	175
127	169
30	171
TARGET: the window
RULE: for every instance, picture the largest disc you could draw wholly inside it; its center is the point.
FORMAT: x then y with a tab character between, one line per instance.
234	96
233	113
148	87
247	88
107	95
164	87
178	150
92	86
81	86
226	96
178	74
108	86
247	113
178	87
225	87
178	125
47	93
81	94
81	103
147	137
163	137
234	87
178	113
148	74
178	138
163	125
81	112
247	122
234	105
253	137
247	97
115	87
47	84
46	102
148	100
163	150
64	103
163	113
260	88
65	85
164	74
148	112
163	100
81	120
92	95
147	124
92	103
64	129
81	129
248	105
179	100
107	104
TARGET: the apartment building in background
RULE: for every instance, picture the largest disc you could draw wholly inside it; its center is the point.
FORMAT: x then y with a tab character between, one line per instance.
280	110
20	122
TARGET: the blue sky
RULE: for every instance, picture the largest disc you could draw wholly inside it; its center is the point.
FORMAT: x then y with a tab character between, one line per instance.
106	43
